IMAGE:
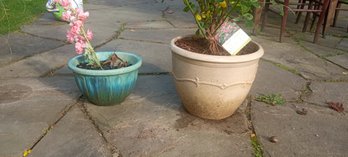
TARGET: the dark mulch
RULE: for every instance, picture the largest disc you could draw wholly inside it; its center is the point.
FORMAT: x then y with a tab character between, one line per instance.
201	45
113	62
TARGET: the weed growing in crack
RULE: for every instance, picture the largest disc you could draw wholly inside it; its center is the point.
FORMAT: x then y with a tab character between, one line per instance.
272	99
286	68
258	152
306	91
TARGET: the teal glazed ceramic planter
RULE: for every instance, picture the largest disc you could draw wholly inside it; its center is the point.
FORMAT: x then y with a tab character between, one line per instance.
106	87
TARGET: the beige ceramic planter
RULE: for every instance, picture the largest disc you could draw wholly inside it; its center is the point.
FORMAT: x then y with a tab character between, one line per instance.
213	87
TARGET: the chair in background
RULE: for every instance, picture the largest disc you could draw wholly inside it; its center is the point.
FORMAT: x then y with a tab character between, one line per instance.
330	19
338	9
308	6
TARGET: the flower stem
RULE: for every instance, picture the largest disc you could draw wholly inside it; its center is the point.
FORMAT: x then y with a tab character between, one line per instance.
90	49
200	27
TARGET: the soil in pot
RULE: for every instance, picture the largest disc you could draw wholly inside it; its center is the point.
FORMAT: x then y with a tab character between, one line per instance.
201	45
113	62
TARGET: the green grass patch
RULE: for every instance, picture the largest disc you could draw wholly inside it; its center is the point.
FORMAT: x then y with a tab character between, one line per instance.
15	13
272	99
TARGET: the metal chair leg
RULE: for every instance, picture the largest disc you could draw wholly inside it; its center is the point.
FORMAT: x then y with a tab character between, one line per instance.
284	19
264	14
321	20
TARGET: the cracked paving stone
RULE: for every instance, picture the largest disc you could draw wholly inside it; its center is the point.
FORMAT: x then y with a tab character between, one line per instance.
155	35
296	57
152	122
323	92
149	25
320	50
343	44
38	65
28	106
271	79
340	60
23	45
319	133
74	135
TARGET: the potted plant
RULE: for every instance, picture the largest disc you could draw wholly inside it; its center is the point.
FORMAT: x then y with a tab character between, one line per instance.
211	83
57	10
105	78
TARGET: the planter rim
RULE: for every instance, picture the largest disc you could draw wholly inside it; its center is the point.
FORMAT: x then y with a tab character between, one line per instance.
217	59
135	66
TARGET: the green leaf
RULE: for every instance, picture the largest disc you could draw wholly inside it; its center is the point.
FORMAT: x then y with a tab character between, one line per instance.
249	23
248	16
281	11
186	9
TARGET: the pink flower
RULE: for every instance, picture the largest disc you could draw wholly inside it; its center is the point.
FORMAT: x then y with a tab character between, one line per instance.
75	27
76	34
77	23
80	39
79	47
66	15
89	34
65	4
70	36
82	15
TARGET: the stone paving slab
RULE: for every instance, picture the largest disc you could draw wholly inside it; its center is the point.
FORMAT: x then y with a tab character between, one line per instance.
266	82
103	31
328	41
320	133
320	50
17	46
340	60
343	44
48	27
133	13
103	34
181	20
155	35
149	25
323	92
178	17
18	137
40	64
74	135
28	107
57	29
122	3
271	32
156	57
174	5
306	63
152	122
64	71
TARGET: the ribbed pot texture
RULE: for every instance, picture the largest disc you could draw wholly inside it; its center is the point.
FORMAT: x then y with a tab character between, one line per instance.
106	87
213	87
